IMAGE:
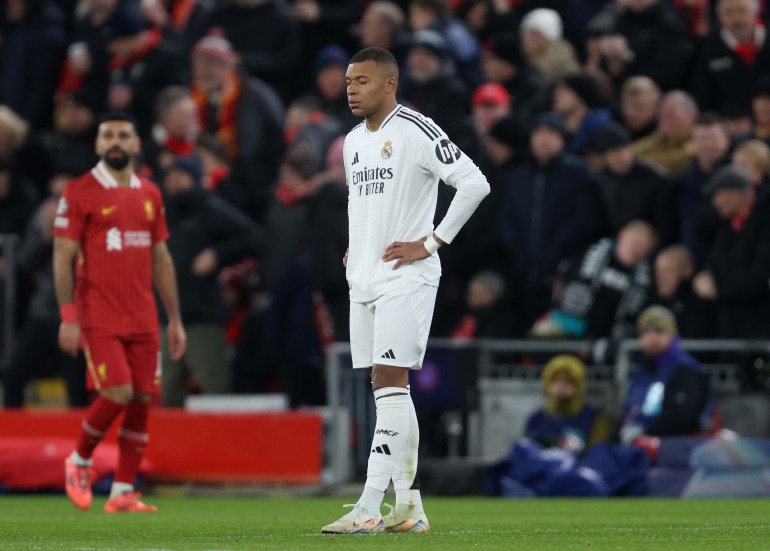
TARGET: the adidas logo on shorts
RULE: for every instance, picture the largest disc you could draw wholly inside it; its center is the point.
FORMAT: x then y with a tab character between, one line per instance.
389	355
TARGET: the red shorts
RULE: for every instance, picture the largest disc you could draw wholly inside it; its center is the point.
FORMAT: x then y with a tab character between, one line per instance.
114	360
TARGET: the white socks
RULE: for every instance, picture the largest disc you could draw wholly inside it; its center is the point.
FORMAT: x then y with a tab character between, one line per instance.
391	432
407	492
81	461
120	488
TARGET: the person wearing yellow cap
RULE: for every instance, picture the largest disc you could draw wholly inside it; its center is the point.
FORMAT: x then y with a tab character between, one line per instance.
566	421
669	393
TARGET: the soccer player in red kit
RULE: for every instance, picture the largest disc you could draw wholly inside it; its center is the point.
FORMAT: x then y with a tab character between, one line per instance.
111	226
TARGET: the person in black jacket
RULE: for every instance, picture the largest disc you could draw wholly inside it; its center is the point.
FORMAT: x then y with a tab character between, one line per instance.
206	234
633	189
550	211
732	58
738	271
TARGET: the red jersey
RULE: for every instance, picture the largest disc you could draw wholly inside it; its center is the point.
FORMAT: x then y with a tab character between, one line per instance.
116	228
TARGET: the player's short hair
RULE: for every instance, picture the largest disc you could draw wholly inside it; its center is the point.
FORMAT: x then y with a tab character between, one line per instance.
119	116
381	56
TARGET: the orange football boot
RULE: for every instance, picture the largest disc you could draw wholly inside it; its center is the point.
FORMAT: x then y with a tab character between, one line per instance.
77	482
128	502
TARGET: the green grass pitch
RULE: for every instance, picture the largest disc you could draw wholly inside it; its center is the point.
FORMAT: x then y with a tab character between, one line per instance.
199	523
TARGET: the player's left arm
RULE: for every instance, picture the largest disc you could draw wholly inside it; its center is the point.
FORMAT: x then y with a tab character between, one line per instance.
164	276
447	162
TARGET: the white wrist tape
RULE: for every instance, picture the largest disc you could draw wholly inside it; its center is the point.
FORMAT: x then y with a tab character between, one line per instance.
431	245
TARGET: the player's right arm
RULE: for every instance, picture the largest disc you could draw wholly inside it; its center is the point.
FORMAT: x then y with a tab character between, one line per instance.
64	252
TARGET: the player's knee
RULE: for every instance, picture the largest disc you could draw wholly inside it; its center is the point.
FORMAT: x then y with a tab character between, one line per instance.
389	376
122	394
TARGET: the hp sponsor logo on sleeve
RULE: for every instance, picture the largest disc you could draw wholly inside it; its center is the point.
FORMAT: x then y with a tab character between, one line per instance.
447	152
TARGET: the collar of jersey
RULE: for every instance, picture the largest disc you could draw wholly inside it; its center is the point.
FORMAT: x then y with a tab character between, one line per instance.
106	179
385	120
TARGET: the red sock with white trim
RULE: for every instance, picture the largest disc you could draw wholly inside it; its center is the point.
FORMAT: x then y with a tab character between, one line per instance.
132	441
100	415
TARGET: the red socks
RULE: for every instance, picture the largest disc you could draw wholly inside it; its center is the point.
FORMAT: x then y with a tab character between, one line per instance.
100	415
132	441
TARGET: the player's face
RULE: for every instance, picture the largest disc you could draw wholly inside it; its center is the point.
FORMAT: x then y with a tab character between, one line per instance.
367	87
117	143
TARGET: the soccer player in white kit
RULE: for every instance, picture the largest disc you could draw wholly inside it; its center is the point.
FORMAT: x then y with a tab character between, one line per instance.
393	163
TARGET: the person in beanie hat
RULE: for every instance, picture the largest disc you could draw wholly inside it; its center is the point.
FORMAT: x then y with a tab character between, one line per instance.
566	421
669	394
578	101
543	45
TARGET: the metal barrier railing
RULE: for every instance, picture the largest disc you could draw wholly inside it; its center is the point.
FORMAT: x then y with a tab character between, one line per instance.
8	244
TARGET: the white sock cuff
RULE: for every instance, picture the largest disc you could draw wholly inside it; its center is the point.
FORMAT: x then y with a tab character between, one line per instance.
399	393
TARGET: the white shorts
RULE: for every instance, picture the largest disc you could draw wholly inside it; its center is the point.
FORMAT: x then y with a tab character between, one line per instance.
393	329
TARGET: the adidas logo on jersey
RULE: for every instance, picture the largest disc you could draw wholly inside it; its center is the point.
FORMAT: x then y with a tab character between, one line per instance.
355	159
384	449
389	355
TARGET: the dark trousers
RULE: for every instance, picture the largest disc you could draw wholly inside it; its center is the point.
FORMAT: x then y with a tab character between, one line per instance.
37	354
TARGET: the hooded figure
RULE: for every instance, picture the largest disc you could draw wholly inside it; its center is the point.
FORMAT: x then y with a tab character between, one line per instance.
566	421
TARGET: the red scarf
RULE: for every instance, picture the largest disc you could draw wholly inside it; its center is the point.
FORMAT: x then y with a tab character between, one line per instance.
216	177
228	112
738	222
153	39
466	329
179	147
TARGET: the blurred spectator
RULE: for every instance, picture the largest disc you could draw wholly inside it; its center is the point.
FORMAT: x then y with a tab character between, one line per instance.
329	67
70	140
738	123
732	57
430	85
88	58
463	47
669	393
288	211
486	310
550	212
383	25
244	113
671	146
641	41
639	101
217	174
323	22
490	103
698	219
543	45
265	35
576	98
18	199
141	65
326	238
566	421
503	63
674	271
36	352
738	269
760	109
205	234
175	129
753	156
33	45
632	189
605	289
14	131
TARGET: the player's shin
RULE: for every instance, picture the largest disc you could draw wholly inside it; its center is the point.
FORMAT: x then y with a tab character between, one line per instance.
390	437
100	415
405	481
132	442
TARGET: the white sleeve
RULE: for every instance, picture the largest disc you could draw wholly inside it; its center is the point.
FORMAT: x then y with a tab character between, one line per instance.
472	187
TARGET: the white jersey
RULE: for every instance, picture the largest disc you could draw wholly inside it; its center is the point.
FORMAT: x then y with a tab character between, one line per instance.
392	176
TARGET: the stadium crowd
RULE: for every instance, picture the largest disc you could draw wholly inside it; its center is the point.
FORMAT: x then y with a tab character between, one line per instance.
625	142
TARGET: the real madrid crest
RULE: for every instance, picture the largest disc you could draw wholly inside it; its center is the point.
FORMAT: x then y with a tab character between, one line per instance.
387	150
